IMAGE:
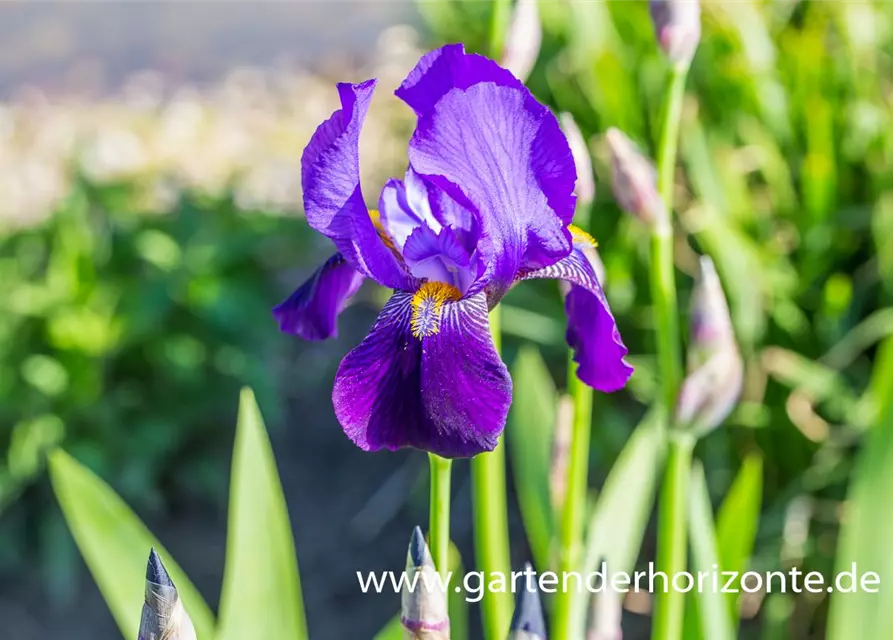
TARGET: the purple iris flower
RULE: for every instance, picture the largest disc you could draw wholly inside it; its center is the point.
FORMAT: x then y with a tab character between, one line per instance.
486	202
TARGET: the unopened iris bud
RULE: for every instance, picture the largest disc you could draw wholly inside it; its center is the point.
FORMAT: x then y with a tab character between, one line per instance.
716	370
606	612
585	188
523	39
634	180
424	613
163	617
677	27
527	621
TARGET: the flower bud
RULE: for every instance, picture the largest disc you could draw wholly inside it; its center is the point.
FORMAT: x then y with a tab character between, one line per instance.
163	617
677	27
523	39
716	370
634	180
424	613
585	188
527	620
606	612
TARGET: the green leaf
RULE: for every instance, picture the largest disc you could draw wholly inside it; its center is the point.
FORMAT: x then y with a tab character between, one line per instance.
621	514
867	530
710	604
530	442
115	544
261	596
737	522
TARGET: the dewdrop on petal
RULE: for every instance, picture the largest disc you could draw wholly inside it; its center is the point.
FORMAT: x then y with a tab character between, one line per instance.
634	180
585	188
163	617
716	370
527	620
424	612
677	27
523	39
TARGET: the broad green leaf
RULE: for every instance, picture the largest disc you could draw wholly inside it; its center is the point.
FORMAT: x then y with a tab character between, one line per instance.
737	522
530	442
261	596
712	620
115	544
621	514
868	528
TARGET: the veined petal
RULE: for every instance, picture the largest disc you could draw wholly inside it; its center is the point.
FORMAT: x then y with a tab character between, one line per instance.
439	257
591	330
311	312
445	391
484	140
333	201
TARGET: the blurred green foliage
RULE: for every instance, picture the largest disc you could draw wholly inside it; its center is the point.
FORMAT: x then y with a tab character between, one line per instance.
786	181
125	335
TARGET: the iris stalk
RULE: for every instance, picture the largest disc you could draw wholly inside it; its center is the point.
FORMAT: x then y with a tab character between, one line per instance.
439	514
574	502
671	552
491	530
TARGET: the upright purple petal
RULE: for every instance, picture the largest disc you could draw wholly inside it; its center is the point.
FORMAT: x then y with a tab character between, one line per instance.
311	312
484	140
333	201
444	390
439	257
591	330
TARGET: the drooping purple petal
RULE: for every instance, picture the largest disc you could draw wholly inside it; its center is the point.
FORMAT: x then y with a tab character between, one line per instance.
333	201
447	392
311	312
591	330
484	140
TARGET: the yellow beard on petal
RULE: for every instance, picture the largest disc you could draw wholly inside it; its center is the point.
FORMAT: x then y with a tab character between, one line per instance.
581	237
427	307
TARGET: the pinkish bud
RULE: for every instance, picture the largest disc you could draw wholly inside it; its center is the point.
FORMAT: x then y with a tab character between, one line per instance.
585	188
523	39
607	610
677	26
424	611
634	180
716	370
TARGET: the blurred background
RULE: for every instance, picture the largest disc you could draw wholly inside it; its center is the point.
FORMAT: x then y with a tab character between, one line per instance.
150	217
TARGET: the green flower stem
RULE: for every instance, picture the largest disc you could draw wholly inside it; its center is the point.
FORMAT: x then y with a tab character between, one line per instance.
572	517
663	278
491	531
671	551
439	518
499	20
669	606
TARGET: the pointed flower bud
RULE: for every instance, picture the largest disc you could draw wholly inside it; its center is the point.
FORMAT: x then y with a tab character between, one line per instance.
164	617
634	180
585	188
527	620
677	27
606	612
716	370
424	614
523	39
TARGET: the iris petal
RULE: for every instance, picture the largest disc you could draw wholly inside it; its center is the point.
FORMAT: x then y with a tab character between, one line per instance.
333	201
311	312
447	392
487	143
591	329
